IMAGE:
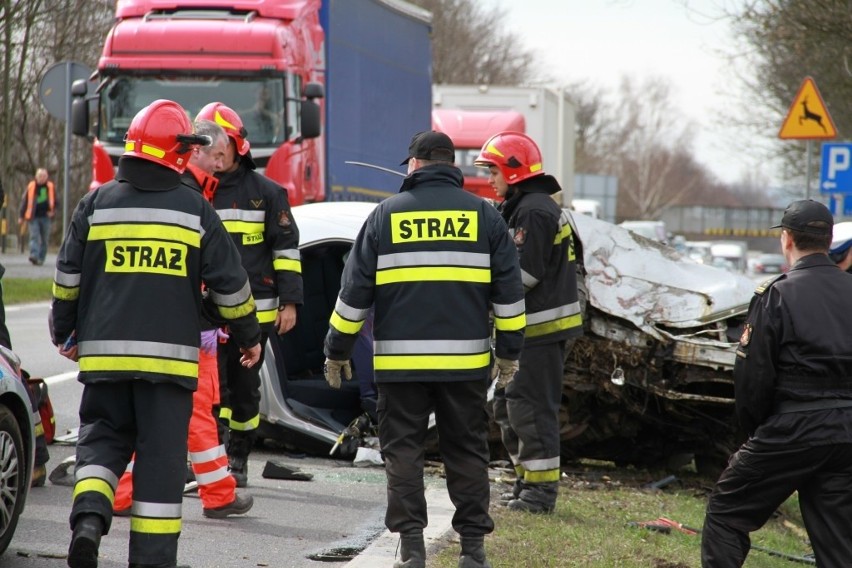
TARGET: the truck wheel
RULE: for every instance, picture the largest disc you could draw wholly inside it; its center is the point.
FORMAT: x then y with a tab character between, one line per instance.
13	476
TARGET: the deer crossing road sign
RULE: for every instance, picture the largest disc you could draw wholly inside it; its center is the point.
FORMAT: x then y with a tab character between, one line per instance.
808	117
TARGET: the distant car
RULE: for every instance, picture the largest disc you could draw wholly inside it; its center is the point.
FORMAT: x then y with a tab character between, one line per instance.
770	264
17	443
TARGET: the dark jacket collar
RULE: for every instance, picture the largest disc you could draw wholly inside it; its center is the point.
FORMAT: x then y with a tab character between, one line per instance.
146	175
812	260
544	183
435	173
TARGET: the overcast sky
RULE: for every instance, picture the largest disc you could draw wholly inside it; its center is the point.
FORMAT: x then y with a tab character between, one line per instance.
602	40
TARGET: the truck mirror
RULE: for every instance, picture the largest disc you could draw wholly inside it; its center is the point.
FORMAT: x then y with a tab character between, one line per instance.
80	117
314	91
79	88
310	119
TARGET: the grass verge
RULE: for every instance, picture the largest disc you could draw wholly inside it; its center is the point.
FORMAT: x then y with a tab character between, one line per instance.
25	290
591	526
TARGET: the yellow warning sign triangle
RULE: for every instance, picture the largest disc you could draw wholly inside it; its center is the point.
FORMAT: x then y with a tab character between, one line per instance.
808	118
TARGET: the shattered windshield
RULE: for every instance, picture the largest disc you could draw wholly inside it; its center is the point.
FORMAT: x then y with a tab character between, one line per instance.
260	103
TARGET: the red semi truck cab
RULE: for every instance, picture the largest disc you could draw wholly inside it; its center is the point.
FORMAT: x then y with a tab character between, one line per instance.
469	130
262	58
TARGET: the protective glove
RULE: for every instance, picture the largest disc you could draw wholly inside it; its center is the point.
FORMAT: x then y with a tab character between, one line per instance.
209	339
333	371
504	370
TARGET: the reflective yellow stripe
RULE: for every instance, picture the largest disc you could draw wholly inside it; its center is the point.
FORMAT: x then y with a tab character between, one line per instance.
139	231
287	264
561	324
95	485
245	426
234	312
562	235
443	362
154	526
243	227
510	324
142	364
153	150
432	274
63	293
519	470
542	476
266	316
344	325
225	414
39	429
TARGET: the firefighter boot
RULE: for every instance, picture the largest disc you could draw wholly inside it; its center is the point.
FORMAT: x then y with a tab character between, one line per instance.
239	446
412	550
85	541
536	498
473	552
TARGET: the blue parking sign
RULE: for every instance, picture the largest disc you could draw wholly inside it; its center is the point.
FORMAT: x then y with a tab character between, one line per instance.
836	169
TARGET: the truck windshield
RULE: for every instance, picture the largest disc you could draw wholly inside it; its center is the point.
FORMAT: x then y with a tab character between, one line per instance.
260	103
464	161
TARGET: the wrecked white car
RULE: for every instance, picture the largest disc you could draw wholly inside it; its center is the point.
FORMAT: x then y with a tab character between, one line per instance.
650	383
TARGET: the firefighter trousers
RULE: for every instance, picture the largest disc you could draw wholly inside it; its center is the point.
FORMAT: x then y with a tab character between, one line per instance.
206	453
152	418
759	478
528	413
239	390
462	424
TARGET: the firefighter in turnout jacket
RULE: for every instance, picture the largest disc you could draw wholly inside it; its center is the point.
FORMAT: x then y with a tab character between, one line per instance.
257	215
128	290
432	260
216	488
527	408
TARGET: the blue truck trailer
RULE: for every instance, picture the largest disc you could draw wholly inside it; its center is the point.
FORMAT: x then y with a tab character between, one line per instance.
317	83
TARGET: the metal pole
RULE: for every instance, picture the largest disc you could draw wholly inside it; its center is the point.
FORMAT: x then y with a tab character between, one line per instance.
808	168
67	157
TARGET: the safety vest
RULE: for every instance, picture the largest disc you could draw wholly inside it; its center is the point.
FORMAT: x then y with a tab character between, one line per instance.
29	211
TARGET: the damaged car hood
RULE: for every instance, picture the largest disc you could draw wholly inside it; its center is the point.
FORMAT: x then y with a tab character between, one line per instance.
652	285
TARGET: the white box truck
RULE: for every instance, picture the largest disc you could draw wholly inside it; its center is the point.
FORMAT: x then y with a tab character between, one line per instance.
470	114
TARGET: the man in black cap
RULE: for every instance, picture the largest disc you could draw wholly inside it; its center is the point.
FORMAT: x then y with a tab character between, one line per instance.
793	388
433	260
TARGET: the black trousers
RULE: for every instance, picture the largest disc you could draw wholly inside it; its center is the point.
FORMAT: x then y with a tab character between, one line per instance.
239	388
759	479
117	418
462	424
528	413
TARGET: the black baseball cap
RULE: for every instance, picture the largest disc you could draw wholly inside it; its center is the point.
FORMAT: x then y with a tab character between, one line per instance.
807	216
431	145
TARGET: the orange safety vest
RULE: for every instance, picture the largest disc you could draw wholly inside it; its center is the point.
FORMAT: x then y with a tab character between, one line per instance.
51	199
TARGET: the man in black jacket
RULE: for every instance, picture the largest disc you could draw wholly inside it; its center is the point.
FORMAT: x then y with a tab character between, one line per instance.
793	389
527	407
432	260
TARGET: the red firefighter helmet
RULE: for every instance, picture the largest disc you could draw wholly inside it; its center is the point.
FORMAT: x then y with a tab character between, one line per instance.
225	117
162	133
515	154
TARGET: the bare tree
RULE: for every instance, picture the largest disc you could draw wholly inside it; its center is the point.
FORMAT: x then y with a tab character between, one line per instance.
471	45
34	35
781	42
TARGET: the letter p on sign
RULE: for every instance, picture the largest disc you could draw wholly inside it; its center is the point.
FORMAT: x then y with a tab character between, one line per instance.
836	168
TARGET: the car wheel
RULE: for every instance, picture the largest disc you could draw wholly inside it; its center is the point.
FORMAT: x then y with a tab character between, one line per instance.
13	475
